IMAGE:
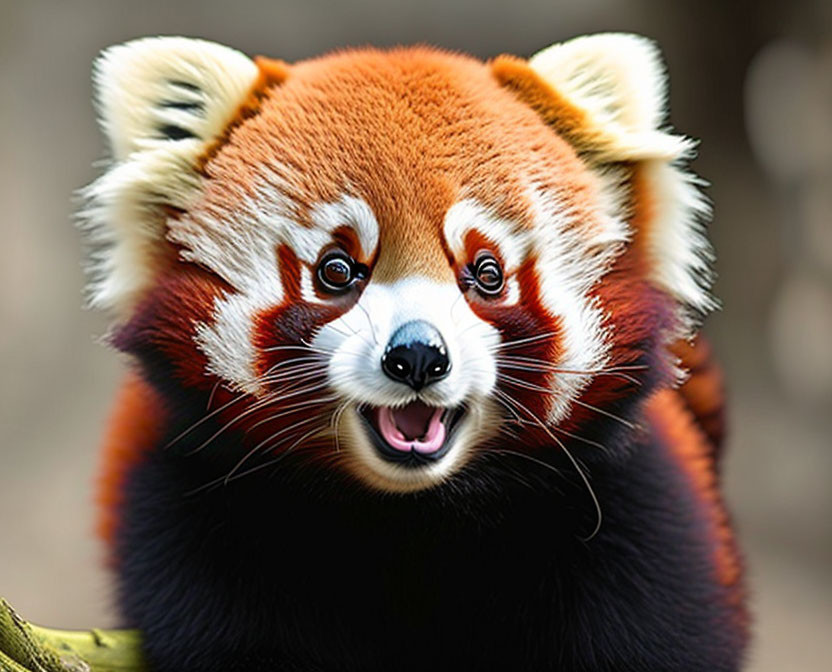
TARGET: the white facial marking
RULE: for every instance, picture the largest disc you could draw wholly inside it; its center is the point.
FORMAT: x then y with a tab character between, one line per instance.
466	215
358	340
227	340
241	244
574	250
352	212
359	337
307	286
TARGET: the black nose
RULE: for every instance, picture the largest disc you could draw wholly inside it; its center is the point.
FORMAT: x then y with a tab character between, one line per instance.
416	355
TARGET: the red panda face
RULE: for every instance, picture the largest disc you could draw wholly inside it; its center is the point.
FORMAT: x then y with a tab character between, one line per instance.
393	257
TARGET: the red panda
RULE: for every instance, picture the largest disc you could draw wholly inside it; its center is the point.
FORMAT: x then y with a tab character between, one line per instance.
406	333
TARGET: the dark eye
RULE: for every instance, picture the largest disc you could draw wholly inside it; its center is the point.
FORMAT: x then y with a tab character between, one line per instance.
488	275
337	271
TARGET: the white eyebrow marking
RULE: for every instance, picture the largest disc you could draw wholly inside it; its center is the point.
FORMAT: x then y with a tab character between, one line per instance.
349	211
512	243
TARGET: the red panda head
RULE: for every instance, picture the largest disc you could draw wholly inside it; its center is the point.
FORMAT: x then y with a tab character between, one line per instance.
397	260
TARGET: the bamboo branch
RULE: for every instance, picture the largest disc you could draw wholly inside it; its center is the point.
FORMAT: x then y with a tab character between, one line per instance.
30	648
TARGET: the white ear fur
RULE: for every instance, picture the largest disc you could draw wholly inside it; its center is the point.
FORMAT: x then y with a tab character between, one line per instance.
618	81
152	88
162	101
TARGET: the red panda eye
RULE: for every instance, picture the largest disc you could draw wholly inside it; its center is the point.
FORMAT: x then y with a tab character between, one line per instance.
488	275
337	271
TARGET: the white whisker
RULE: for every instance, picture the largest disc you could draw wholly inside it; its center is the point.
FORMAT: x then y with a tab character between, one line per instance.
507	345
569	455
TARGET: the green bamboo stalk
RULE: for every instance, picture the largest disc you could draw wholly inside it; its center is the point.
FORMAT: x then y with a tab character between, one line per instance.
30	648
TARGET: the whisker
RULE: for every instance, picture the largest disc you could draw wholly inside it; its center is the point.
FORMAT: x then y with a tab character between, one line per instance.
475	325
612	416
253	409
288	346
516	382
291	372
284	454
500	394
509	432
331	325
577	437
516	475
308	347
584	478
352	332
319	349
296	361
223	480
534	366
262	443
369	321
205	418
453	306
507	345
304	372
309	383
289	410
582	439
335	422
537	360
504	451
590	490
213	392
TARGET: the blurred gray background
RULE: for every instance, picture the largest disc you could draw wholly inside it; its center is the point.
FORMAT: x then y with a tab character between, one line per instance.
752	80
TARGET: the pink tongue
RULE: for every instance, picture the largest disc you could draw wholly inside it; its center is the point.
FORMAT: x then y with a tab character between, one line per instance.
414	427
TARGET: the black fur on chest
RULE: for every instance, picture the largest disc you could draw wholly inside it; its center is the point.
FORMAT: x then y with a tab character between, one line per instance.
299	569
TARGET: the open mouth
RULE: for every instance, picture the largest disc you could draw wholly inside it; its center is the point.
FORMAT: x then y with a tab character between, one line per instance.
414	434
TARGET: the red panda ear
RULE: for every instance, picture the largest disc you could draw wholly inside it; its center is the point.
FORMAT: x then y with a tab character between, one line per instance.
605	94
156	90
163	103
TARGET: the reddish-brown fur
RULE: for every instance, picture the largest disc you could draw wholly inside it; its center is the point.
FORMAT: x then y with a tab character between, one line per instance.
412	132
689	445
134	428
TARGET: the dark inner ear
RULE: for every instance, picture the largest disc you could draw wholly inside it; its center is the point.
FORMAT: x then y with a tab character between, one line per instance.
568	121
171	132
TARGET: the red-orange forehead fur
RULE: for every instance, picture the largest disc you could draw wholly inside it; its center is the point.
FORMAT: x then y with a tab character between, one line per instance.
411	131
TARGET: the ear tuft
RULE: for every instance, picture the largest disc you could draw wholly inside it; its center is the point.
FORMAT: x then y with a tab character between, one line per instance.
163	103
617	82
161	89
